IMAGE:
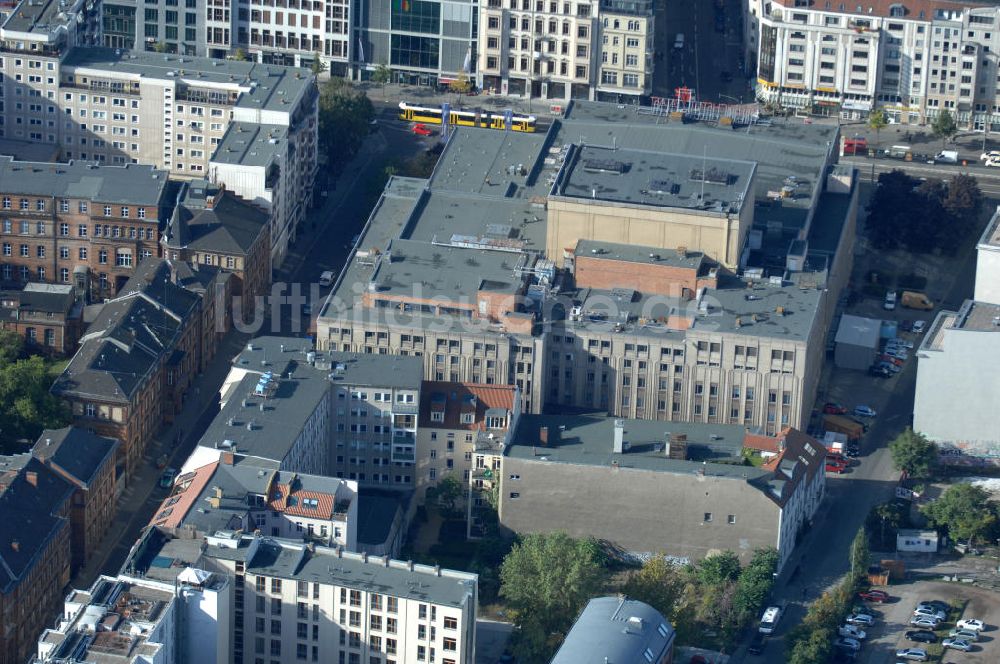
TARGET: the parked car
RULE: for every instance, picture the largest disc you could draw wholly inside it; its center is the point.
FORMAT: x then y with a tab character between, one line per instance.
838	468
833	408
860	619
971	623
897	353
921	636
878	596
852	452
879	372
326	279
421	129
167	478
895	361
852	632
924	622
935	604
847	643
957	644
890	301
964	634
903	343
912	654
864	411
992	154
929	612
890	364
918	326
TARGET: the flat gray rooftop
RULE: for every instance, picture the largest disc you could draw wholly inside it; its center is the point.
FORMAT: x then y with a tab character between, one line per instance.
859	331
286	560
129	184
490	163
260	86
41	17
979	316
448	217
588	439
656	179
250	144
634	253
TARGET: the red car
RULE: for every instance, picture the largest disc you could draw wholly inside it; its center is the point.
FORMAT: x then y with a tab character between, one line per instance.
834	409
421	129
835	468
875	596
889	358
837	458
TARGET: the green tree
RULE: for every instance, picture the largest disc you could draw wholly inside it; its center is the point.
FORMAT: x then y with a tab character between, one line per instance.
317	67
344	117
240	54
546	579
891	209
658	583
26	406
944	126
446	494
964	510
11	346
160	47
817	646
755	583
717	569
382	75
914	454
860	554
884	520
461	85
878	122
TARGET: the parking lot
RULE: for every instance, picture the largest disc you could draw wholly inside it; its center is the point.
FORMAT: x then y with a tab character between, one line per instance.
892	622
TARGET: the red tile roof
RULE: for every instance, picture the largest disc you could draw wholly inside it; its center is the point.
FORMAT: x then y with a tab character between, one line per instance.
487	397
186	490
288	498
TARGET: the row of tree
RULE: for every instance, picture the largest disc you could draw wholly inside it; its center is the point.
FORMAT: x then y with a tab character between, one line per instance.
923	216
546	579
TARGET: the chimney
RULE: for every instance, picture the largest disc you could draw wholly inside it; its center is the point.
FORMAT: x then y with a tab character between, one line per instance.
619	436
15	545
32	478
48	441
228	459
543	436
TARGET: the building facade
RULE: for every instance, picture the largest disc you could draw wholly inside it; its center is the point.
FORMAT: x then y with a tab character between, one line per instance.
49	317
910	61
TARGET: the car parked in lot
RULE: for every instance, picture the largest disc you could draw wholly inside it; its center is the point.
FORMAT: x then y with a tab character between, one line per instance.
897	353
918	326
852	631
864	411
912	654
832	408
860	619
935	604
971	623
890	301
925	622
957	644
167	478
847	643
929	612
901	343
887	363
838	468
877	596
921	636
964	634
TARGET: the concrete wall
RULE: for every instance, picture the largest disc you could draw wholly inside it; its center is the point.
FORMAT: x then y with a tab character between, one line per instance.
852	356
958	391
640	511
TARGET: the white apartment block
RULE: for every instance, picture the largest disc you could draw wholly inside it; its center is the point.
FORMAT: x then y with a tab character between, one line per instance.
171	111
834	58
561	50
293	602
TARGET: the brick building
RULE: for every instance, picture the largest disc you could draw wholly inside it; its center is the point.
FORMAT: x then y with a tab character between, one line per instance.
77	223
87	462
48	316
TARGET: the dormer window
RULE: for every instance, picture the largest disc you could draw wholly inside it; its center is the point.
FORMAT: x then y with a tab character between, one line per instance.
496	422
467	418
437	416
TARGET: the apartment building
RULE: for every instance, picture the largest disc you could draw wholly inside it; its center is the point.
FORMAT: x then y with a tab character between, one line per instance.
956	365
458	422
49	317
35	554
213	226
80	224
118	23
597	476
294	600
136	361
585	279
87	462
248	495
618	629
912	62
625	73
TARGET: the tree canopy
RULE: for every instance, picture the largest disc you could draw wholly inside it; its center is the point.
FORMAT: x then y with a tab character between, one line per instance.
26	406
344	116
11	346
914	454
658	583
965	511
546	579
445	495
944	126
878	122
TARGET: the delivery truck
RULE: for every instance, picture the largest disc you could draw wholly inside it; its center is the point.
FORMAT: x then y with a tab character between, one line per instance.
946	157
914	300
845	425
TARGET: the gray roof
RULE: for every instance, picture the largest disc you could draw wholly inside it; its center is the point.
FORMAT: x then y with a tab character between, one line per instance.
494	164
250	144
287	560
131	184
261	86
588	439
616	630
656	179
277	427
635	253
77	452
44	298
42	16
131	333
858	331
376	512
284	354
230	226
29	517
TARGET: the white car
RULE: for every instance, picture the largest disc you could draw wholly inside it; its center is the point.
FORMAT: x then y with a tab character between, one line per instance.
918	326
957	644
928	612
852	632
890	301
925	621
914	654
860	619
992	154
971	623
864	411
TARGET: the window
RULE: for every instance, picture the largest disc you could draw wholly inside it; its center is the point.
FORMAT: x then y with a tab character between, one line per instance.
731	519
708	517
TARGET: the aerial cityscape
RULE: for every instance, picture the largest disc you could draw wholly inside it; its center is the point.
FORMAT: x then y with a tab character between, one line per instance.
499	331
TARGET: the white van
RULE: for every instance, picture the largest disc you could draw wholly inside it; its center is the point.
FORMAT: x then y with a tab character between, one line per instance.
326	279
769	621
679	40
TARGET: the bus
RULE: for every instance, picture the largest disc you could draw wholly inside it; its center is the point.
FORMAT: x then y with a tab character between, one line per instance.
769	621
466	118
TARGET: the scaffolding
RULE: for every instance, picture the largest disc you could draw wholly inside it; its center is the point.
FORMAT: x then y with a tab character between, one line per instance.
686	104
